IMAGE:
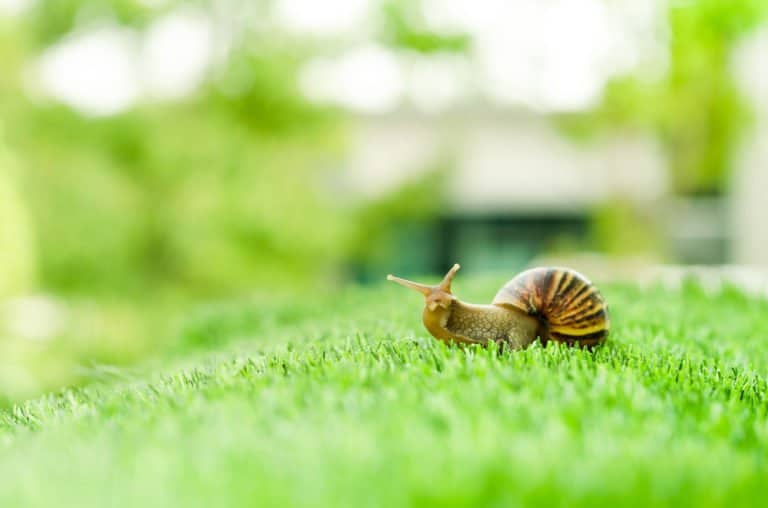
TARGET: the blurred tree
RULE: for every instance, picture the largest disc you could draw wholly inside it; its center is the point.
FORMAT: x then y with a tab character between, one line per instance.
258	86
16	246
223	191
218	192
177	195
695	110
48	21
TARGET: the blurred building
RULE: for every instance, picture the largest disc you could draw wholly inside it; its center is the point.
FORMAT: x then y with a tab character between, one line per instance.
515	186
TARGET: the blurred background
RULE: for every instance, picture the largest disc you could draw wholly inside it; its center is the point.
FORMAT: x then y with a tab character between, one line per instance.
159	153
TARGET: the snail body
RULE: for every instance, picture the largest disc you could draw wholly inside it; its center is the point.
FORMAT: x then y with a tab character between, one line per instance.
556	304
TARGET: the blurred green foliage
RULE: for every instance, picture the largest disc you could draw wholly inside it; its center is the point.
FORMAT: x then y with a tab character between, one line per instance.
122	220
17	259
159	196
222	192
694	109
257	87
217	193
47	22
404	26
620	228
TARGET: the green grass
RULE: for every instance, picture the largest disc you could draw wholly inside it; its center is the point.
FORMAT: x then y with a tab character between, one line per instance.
345	401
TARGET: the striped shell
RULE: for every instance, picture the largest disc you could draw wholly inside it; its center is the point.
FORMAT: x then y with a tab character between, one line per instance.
568	305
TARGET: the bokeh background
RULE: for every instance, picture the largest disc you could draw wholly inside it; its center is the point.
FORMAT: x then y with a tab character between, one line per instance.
158	154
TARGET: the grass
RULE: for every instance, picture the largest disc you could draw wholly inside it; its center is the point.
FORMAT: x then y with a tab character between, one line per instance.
345	401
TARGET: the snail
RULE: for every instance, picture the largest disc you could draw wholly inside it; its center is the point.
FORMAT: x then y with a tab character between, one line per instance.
557	304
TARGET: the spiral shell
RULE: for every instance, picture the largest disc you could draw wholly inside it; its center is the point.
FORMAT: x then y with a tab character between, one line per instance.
568	306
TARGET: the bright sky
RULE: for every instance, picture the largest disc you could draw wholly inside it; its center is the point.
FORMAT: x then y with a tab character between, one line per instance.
13	7
552	56
175	54
106	70
369	78
328	17
548	56
95	72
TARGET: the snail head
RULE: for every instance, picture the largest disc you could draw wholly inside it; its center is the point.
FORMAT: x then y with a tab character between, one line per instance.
436	296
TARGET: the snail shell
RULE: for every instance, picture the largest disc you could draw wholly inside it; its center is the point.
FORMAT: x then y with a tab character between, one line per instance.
567	305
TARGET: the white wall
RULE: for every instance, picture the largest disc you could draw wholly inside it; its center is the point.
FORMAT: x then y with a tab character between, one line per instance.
512	162
749	203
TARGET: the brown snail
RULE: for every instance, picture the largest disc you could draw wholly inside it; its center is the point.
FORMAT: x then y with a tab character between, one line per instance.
556	304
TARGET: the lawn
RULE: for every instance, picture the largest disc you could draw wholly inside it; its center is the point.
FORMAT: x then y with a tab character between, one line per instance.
344	400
